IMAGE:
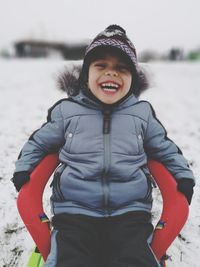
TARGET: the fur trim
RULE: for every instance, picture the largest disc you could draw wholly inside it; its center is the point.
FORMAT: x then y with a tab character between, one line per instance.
68	81
143	82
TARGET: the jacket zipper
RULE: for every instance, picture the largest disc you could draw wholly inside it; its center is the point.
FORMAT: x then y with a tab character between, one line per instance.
107	156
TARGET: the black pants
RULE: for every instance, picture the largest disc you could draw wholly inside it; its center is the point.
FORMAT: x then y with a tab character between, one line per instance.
119	241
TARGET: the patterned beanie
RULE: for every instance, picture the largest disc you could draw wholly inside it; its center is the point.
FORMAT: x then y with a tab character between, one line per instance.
113	36
114	39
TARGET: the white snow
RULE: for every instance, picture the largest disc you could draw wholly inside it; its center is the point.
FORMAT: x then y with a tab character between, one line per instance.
28	89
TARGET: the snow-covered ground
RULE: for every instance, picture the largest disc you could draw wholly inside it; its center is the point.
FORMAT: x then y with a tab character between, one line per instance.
28	89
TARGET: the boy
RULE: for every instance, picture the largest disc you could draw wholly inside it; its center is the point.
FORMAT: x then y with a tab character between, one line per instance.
101	196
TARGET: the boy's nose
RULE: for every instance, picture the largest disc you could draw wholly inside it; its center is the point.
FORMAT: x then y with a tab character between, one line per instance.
111	73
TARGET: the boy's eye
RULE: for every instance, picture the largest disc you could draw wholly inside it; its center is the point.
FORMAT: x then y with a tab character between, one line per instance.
100	65
123	68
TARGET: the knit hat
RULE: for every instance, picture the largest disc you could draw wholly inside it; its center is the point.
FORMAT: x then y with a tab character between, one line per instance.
113	36
114	39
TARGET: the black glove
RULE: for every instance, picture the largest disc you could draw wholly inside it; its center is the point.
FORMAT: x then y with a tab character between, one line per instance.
20	178
185	186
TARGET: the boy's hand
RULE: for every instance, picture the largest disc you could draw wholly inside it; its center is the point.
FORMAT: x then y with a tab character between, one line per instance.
185	186
20	178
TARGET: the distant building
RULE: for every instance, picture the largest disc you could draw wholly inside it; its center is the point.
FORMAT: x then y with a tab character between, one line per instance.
148	55
37	49
176	54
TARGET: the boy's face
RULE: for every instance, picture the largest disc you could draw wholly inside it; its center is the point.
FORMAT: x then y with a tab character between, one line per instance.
109	78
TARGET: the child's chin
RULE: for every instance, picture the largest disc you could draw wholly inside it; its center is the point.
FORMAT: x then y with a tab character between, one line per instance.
108	101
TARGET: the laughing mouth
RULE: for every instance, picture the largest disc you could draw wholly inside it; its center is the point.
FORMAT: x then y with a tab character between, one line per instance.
111	87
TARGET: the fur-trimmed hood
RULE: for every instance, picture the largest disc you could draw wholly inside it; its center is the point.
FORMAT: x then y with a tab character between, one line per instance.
69	81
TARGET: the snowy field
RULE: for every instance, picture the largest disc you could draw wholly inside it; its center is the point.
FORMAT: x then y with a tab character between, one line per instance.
28	89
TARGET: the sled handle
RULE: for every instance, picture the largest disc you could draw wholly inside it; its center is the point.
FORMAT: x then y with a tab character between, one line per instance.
175	209
30	206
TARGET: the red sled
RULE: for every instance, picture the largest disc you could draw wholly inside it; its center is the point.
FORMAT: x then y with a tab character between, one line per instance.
173	217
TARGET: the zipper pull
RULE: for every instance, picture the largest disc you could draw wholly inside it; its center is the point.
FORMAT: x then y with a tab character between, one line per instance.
106	121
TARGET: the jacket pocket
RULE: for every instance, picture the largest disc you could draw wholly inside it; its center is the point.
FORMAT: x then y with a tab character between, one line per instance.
57	193
140	143
150	183
139	135
70	132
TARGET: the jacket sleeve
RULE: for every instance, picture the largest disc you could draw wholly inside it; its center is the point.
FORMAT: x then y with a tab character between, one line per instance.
48	139
158	146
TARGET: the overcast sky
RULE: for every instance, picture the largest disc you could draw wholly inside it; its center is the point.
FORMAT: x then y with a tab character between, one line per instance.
150	24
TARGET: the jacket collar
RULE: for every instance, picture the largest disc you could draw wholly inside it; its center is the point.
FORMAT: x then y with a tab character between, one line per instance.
84	100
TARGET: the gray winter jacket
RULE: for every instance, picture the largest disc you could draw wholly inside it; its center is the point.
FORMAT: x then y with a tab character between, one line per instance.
103	155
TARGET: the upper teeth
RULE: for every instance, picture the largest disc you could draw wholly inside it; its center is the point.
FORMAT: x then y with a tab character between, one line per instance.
110	85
